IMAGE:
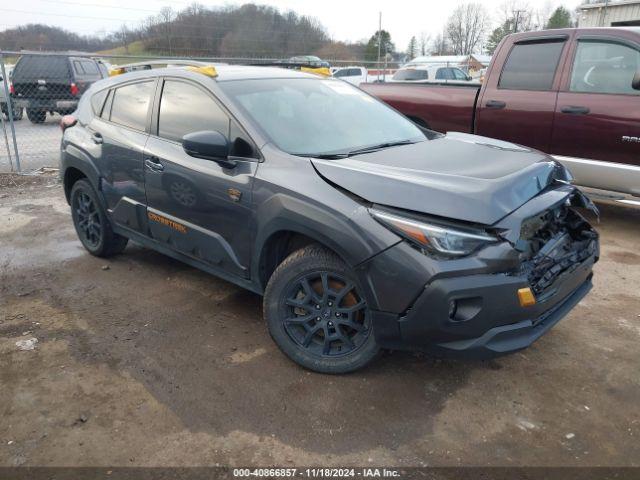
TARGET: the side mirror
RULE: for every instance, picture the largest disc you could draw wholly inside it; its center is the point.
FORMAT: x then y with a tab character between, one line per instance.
469	78
635	83
208	145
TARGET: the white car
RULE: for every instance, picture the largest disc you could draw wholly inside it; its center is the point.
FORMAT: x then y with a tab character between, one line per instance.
353	75
431	73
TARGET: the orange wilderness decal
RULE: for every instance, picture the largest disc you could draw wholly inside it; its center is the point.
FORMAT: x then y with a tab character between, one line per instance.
165	221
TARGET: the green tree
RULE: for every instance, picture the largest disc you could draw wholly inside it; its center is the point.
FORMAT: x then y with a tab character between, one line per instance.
497	35
387	46
412	49
561	18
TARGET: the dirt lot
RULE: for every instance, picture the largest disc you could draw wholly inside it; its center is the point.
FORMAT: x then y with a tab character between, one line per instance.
142	360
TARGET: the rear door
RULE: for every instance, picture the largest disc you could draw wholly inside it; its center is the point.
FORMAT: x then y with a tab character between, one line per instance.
120	133
598	112
518	104
197	206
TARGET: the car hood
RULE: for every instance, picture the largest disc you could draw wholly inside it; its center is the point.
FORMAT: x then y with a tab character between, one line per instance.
458	176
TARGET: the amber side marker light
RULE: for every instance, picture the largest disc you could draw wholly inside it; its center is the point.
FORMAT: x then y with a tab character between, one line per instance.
526	297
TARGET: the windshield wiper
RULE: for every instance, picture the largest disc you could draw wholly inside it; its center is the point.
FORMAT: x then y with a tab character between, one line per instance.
358	151
375	148
323	156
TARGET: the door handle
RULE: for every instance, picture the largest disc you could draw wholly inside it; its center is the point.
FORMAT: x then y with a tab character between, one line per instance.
153	163
573	110
496	104
97	138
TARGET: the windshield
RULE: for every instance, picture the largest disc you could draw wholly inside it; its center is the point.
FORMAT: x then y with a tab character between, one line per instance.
315	117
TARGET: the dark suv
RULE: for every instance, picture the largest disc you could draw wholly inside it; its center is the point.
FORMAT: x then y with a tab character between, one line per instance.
361	230
53	83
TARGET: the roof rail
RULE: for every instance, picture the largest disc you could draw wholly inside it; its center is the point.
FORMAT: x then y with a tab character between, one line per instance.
196	66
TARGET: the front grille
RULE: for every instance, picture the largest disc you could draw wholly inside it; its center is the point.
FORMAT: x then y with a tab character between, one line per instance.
554	242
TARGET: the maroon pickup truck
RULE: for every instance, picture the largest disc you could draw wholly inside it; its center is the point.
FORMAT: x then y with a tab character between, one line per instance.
573	93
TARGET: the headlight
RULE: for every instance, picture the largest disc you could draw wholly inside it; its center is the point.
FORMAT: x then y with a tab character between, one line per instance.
435	239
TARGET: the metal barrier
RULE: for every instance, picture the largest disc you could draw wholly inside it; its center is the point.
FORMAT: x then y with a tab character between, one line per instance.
38	88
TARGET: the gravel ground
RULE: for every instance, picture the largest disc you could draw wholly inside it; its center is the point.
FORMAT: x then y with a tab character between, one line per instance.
141	360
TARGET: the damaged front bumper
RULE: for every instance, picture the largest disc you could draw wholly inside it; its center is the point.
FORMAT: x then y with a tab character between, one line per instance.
470	307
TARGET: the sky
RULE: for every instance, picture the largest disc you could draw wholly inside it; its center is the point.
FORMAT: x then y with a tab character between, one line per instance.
344	19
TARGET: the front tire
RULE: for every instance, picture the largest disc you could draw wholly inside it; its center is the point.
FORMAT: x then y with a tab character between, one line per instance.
91	222
316	313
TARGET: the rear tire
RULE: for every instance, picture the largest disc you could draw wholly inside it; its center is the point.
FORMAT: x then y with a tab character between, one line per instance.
36	116
316	313
91	223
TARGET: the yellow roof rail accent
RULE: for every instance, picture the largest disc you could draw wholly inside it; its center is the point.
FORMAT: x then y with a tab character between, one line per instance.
209	71
116	71
324	71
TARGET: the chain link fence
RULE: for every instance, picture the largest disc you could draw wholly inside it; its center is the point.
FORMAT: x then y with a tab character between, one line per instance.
39	88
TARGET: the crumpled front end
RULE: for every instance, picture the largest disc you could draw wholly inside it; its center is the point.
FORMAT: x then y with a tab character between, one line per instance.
501	298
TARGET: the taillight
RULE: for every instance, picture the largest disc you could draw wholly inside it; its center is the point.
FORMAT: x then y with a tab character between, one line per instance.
67	122
12	90
74	89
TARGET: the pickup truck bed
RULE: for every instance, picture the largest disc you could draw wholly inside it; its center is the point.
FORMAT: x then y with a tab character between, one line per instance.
571	93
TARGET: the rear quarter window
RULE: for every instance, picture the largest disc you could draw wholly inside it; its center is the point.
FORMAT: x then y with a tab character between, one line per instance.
97	101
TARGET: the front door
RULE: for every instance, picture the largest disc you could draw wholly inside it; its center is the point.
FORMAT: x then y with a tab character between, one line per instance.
518	103
197	206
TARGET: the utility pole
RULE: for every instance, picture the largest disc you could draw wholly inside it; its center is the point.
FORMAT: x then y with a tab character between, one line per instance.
517	20
379	42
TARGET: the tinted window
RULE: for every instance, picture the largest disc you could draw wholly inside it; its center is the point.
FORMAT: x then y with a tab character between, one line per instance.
89	67
531	66
97	101
459	74
131	104
601	67
345	72
185	108
309	116
37	67
444	74
411	74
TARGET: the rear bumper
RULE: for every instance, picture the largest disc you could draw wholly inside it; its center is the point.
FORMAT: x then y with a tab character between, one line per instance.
46	104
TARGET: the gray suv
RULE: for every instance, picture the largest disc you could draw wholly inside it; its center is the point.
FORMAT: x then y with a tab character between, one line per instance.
361	230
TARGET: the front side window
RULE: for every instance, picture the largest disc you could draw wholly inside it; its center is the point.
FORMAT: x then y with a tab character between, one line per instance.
131	105
604	67
311	117
531	66
184	108
459	74
444	74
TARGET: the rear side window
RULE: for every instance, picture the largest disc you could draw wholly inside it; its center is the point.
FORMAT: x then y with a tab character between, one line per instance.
604	67
131	105
531	66
97	101
411	74
184	108
38	67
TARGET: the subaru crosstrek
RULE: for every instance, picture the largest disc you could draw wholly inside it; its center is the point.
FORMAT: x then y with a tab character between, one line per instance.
361	230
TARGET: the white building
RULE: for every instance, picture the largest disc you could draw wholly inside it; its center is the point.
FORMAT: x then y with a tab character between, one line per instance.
608	13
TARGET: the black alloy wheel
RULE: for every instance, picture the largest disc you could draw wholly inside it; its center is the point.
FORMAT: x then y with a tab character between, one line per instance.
317	314
87	220
326	315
